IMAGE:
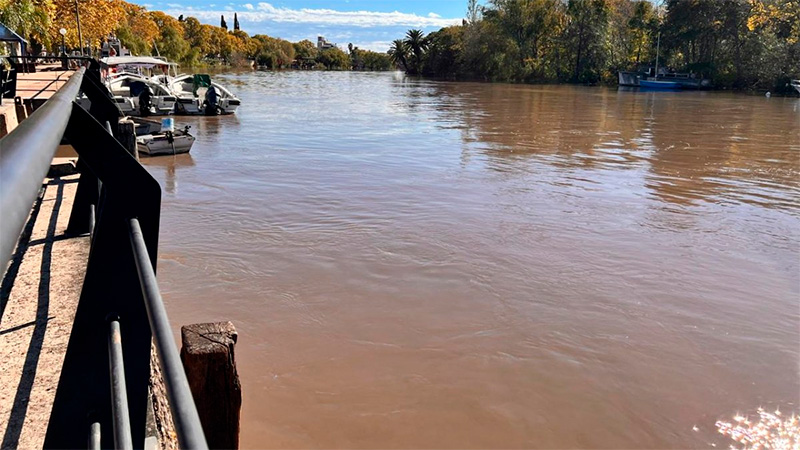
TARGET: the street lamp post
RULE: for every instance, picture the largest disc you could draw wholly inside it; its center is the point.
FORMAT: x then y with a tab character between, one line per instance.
63	33
78	19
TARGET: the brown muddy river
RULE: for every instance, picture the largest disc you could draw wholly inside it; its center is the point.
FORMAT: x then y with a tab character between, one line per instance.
418	264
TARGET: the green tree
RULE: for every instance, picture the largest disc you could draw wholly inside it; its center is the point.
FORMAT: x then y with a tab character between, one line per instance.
585	38
271	52
170	42
305	49
642	26
375	61
416	42
333	59
443	58
528	23
27	18
398	52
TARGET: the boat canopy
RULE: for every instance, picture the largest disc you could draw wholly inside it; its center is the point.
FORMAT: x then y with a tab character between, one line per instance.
147	62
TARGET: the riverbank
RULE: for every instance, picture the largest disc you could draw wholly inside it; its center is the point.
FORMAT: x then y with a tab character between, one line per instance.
789	91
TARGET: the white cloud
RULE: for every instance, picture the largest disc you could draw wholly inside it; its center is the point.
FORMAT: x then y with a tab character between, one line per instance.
375	46
266	12
249	6
433	15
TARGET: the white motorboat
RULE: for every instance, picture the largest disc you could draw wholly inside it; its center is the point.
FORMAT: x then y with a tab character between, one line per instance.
130	91
796	85
195	95
168	143
129	78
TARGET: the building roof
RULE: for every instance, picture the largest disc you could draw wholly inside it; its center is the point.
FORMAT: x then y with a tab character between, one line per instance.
8	35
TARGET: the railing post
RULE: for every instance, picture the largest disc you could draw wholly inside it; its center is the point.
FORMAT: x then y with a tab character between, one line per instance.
119	394
103	110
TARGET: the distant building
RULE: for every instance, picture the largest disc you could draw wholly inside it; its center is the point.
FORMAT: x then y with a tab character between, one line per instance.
323	44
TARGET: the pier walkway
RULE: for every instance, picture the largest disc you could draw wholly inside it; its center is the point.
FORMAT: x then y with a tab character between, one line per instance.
41	284
38	299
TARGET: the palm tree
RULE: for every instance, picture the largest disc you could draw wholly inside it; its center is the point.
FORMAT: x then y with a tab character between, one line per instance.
415	40
399	53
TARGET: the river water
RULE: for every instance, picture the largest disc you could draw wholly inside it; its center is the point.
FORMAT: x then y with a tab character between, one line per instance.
419	264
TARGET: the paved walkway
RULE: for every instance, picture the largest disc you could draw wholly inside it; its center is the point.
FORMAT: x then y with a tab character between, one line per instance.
44	83
38	298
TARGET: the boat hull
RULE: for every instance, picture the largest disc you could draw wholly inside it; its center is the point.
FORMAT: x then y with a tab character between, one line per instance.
159	145
662	85
194	106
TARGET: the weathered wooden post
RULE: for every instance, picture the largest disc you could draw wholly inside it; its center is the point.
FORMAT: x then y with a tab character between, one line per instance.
208	358
19	107
127	136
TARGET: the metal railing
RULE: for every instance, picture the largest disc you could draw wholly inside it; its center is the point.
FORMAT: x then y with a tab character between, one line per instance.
105	378
25	156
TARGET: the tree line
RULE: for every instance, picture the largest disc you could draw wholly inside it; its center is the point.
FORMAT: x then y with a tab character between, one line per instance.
184	40
743	44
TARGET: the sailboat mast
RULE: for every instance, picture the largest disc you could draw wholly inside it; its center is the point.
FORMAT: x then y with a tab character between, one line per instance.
658	51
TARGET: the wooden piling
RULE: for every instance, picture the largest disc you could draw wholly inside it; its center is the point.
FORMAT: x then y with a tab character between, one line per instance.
22	112
208	358
127	136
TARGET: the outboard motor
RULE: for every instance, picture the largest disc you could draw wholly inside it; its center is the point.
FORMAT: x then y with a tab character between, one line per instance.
212	102
145	101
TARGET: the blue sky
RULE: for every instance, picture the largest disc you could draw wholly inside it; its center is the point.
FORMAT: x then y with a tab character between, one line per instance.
367	24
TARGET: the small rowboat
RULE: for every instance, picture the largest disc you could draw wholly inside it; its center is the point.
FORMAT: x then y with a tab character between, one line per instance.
796	85
169	143
654	84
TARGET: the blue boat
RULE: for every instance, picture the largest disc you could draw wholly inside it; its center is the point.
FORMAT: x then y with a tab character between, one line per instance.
656	84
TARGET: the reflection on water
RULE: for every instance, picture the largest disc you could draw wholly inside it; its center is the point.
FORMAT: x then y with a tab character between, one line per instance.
424	264
170	165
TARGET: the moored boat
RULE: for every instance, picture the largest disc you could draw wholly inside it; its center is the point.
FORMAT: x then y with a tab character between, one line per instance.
796	85
198	94
169	143
629	79
129	78
685	80
659	84
136	95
